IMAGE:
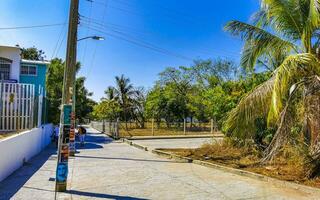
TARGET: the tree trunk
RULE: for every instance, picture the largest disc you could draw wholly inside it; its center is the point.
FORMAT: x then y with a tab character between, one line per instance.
280	138
312	126
158	123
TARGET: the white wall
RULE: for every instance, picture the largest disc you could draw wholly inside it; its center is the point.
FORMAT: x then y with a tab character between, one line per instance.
25	145
13	54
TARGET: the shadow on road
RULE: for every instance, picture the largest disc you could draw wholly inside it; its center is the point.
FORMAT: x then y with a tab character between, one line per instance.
93	141
15	181
99	195
89	145
99	139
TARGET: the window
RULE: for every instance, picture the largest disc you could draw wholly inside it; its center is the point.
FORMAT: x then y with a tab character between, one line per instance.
5	65
28	70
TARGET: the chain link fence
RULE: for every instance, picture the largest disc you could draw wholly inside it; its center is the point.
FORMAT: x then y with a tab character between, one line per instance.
155	128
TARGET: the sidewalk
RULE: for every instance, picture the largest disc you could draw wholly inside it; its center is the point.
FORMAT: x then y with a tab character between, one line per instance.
105	169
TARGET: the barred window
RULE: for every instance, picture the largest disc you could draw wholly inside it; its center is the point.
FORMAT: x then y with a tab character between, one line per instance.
28	70
5	66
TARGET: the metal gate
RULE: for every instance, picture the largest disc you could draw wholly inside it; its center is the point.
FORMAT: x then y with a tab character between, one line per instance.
16	106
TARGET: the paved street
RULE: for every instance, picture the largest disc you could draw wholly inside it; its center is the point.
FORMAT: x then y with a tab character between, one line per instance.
115	170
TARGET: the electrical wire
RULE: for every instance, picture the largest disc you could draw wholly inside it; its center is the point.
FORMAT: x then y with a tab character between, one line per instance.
87	33
127	10
96	45
171	13
201	51
125	37
116	31
116	26
60	45
58	42
34	26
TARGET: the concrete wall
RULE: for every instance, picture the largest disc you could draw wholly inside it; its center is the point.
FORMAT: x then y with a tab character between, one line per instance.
22	147
12	53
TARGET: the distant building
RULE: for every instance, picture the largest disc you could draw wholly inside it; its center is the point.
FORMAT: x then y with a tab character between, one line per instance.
16	70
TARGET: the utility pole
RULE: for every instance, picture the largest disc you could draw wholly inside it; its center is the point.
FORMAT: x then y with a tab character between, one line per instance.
67	116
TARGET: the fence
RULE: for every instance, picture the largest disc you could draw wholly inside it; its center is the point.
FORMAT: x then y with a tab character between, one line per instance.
20	108
110	128
156	128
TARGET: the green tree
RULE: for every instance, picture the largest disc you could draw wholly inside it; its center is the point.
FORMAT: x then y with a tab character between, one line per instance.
155	104
54	86
84	104
32	53
283	36
107	110
124	94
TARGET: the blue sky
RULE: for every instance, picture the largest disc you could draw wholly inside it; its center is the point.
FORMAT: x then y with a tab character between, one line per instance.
182	30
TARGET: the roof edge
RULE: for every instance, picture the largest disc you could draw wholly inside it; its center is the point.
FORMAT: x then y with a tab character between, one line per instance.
44	62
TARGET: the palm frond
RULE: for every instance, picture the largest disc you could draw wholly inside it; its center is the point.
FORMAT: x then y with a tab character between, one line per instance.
314	13
285	18
240	121
312	23
259	18
258	42
292	69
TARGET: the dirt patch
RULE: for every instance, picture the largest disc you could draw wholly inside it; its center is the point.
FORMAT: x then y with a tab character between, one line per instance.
288	166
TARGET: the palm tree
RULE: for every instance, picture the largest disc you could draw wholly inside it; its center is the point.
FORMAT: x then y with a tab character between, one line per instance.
124	93
284	36
110	93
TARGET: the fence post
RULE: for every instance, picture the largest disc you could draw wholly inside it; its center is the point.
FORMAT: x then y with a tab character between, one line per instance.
184	126
117	129
211	126
103	126
152	122
40	98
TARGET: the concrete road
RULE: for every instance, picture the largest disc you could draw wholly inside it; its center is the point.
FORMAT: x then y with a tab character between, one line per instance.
115	170
175	143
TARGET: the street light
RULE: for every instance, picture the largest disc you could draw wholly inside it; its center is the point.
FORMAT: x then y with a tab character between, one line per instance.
92	37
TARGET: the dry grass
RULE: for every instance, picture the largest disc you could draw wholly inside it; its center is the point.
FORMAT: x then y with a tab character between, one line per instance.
158	132
162	129
288	165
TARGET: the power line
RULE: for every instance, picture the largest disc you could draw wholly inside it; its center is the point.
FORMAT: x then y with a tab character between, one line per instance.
172	19
171	13
96	45
35	26
203	51
116	26
87	33
125	37
58	43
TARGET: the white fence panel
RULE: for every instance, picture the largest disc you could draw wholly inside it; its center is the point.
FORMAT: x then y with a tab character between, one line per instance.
16	106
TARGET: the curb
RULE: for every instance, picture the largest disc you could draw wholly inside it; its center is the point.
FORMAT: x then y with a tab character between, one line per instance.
172	156
256	176
240	172
135	145
173	137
